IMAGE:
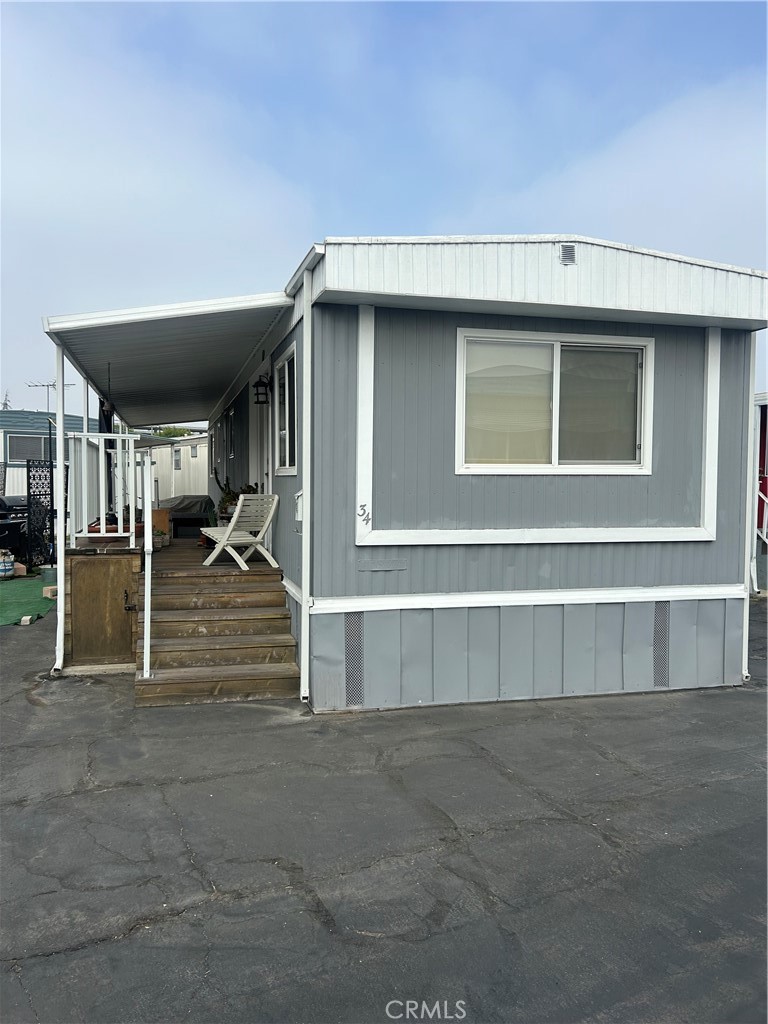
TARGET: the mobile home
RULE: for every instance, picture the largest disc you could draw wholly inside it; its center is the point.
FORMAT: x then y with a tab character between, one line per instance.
508	467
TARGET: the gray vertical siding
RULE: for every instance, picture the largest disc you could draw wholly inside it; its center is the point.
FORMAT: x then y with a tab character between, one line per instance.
455	655
286	535
414	483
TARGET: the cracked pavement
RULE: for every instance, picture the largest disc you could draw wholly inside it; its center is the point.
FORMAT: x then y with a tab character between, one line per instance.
586	859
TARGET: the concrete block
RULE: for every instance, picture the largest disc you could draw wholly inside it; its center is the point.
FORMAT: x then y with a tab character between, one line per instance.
19	569
50	592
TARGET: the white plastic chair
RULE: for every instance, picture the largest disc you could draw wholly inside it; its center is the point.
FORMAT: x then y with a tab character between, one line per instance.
250	522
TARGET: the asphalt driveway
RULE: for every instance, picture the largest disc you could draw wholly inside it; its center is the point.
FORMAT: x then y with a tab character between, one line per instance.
594	859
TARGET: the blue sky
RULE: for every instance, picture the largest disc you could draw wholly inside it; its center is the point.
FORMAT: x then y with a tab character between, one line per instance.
163	152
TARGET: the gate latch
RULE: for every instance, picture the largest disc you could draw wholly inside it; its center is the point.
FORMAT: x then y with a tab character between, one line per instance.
128	607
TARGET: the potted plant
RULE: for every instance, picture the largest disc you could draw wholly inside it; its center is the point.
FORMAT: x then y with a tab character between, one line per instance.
157	539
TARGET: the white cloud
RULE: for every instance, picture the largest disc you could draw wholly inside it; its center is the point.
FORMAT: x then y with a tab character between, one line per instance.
688	178
121	187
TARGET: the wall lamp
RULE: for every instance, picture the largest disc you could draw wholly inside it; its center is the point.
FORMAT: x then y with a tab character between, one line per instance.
261	390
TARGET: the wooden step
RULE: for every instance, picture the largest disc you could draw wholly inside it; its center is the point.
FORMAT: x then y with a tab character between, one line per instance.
212	686
211	622
214	584
215	575
212	598
204	651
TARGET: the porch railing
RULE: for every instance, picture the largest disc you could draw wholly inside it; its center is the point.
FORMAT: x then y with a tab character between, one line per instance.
762	517
102	483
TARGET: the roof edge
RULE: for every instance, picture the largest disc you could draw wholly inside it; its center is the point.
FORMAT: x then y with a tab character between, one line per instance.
309	262
491	239
137	314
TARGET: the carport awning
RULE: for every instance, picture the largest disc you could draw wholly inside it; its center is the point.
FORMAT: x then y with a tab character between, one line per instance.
167	364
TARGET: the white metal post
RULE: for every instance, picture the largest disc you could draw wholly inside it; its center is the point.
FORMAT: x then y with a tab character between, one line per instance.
750	501
306	483
146	503
61	525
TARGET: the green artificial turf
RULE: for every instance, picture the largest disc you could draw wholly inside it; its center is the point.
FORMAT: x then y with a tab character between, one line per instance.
23	595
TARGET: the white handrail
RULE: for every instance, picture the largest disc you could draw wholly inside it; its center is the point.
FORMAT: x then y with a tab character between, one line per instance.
762	517
146	507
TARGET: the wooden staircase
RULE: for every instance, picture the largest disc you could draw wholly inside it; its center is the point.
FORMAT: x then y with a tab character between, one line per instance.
218	634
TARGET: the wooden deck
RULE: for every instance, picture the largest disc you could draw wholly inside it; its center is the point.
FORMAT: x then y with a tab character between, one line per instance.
185	554
218	633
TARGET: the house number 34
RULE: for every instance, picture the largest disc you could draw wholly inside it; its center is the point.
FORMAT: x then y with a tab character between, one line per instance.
364	514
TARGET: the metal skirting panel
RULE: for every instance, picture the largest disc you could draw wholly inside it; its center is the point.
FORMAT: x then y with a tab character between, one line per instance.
406	658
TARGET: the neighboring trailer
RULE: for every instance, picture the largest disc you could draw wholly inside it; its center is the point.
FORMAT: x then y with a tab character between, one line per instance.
508	466
24	435
181	466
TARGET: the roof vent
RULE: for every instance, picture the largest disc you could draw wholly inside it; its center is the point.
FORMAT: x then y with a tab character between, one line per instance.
567	253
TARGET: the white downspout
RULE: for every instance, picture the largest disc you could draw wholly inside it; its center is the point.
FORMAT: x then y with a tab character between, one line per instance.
751	499
306	482
59	499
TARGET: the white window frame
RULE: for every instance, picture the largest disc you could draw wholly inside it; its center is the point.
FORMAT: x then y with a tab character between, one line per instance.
642	467
367	534
177	458
211	451
291	418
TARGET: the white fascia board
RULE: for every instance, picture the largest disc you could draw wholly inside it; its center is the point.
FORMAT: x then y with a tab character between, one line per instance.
505	307
526	598
309	262
139	314
523	239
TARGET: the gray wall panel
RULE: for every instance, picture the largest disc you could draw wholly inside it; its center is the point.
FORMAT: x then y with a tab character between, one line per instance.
710	642
327	687
448	569
450	655
382	659
683	661
483	652
547	650
578	648
609	643
516	653
415	485
638	646
417	668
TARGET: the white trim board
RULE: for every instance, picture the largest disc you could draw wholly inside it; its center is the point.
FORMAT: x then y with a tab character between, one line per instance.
526	598
366	535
